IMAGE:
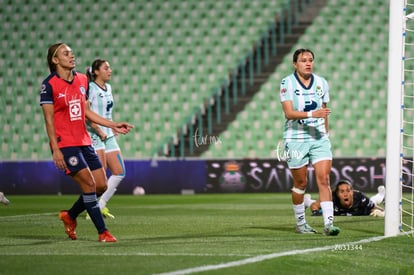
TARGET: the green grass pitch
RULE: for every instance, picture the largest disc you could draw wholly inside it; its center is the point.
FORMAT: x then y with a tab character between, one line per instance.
194	234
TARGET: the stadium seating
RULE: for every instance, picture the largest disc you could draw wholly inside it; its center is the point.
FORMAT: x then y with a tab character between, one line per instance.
349	39
169	56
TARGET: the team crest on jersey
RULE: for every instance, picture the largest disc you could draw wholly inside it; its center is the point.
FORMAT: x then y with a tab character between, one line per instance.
319	91
73	161
82	90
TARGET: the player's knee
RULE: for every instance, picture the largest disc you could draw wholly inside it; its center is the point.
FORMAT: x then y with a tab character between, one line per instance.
100	189
323	180
88	186
300	184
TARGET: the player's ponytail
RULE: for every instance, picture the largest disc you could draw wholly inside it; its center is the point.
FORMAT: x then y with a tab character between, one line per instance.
90	74
90	71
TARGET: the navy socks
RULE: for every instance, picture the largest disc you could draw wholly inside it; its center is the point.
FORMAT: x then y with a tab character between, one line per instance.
90	201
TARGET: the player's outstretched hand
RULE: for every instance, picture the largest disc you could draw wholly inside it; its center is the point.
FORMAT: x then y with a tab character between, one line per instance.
122	128
377	213
321	113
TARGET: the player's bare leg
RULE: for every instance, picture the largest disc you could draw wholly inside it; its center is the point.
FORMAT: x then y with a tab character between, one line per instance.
322	171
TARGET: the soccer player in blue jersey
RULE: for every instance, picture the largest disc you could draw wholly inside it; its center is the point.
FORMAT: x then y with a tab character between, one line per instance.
103	138
304	97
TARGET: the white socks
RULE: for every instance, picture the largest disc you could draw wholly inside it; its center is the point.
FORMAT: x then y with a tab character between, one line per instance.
113	183
299	210
327	212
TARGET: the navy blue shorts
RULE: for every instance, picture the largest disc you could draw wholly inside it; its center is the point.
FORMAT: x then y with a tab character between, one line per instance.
80	157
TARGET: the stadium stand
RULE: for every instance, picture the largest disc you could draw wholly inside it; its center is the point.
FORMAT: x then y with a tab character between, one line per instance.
350	41
168	57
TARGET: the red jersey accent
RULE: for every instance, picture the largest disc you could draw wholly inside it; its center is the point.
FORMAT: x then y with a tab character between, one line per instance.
68	99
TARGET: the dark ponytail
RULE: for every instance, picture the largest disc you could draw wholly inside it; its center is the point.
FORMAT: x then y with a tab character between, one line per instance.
90	71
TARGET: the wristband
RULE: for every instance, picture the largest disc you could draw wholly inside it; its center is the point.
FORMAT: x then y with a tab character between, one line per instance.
309	114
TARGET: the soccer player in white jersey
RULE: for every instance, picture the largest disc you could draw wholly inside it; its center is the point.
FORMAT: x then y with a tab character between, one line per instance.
304	97
104	139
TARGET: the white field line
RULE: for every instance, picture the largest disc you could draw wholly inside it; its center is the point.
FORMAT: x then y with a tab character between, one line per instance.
261	258
250	260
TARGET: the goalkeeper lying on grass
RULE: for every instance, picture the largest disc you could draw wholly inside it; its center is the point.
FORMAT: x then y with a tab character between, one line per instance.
350	202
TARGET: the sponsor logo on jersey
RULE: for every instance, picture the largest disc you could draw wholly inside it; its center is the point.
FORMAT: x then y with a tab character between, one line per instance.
75	111
60	95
